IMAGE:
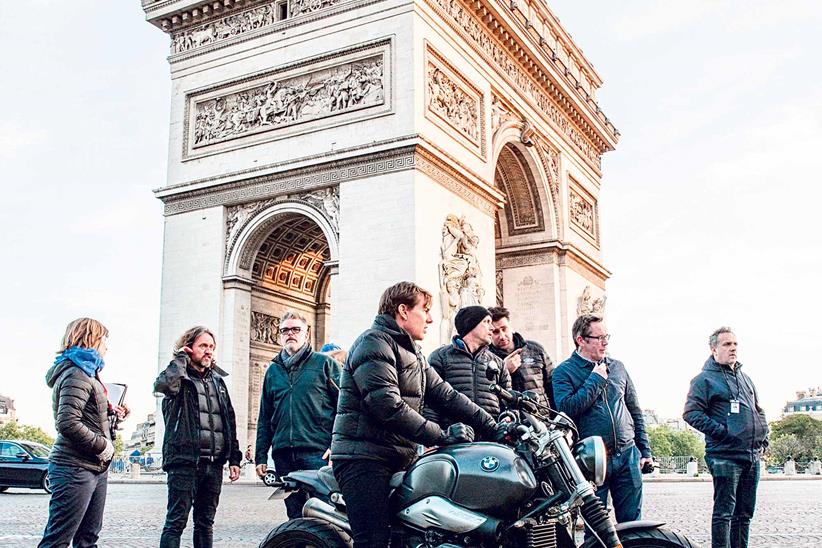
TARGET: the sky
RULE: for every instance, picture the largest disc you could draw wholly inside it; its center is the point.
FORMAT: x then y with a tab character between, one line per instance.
709	203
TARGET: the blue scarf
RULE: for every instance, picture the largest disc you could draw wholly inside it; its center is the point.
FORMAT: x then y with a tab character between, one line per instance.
87	359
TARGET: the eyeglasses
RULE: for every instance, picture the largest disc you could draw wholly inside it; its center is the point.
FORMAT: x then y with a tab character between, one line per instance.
290	330
601	338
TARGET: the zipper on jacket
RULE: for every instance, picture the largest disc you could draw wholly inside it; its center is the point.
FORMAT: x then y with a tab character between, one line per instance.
613	422
210	416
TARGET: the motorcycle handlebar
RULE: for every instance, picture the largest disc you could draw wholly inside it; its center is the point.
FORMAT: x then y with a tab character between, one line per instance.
514	401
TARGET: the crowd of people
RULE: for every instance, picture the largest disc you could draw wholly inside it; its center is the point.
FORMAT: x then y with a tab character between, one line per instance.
368	413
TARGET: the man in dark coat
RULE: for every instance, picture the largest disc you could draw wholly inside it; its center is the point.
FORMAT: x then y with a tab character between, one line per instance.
384	385
598	394
297	407
722	404
464	362
200	436
527	362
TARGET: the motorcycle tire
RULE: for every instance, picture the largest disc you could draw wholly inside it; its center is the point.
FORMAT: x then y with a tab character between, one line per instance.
306	533
650	538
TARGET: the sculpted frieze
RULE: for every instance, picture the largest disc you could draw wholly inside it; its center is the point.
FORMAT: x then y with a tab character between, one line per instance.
299	7
500	114
280	102
447	99
264	328
475	32
221	29
582	213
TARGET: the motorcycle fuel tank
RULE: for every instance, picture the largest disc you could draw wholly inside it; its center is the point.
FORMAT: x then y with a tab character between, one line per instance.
484	477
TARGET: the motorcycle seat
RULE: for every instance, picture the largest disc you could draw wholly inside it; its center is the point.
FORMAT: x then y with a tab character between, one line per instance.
326	475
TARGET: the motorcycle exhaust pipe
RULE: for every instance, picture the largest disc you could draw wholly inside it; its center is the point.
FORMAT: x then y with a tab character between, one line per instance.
316	508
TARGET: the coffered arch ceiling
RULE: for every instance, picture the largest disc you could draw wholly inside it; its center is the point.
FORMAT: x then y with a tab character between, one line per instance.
292	257
523	208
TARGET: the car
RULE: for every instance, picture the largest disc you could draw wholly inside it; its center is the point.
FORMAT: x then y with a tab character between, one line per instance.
24	464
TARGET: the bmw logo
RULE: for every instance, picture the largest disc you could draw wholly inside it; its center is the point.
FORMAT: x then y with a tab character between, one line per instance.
489	464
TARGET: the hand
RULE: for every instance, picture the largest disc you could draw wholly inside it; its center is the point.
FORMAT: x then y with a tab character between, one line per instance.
513	361
327	456
187	350
457	433
643	460
122	411
106	454
261	470
233	473
501	431
601	369
646	462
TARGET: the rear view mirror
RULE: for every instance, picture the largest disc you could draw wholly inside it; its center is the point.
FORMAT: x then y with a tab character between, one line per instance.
22	455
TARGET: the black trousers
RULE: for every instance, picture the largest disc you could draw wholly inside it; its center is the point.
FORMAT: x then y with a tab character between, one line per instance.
76	507
364	485
192	486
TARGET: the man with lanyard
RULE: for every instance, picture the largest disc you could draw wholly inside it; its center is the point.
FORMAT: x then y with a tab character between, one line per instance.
598	394
722	404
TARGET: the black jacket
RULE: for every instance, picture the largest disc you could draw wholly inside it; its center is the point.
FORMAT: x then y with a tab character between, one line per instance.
181	442
600	407
466	374
298	404
738	436
81	417
535	372
383	387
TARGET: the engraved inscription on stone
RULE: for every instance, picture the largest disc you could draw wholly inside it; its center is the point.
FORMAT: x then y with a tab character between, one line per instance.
451	102
264	328
582	213
282	102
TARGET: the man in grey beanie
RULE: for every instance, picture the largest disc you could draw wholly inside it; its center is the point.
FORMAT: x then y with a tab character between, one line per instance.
463	363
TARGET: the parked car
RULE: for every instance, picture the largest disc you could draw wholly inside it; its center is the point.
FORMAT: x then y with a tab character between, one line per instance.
24	464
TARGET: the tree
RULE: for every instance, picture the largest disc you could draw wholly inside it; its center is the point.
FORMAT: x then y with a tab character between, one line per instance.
782	447
802	426
799	436
16	431
660	440
668	443
118	445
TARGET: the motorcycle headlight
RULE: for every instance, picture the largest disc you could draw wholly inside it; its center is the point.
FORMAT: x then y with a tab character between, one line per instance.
591	459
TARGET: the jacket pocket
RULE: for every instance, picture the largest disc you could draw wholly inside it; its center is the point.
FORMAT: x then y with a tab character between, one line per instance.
740	426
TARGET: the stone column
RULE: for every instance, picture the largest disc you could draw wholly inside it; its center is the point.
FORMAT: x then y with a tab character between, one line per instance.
235	339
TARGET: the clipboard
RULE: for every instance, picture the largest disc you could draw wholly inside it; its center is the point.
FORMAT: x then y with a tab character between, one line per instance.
116	392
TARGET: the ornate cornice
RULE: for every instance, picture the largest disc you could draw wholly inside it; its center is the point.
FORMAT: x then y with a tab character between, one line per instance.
488	36
553	252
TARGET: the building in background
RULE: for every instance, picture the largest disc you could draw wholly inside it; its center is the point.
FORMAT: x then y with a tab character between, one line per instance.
142	439
7	411
807	402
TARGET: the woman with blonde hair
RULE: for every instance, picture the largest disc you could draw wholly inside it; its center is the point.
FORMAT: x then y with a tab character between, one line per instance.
82	453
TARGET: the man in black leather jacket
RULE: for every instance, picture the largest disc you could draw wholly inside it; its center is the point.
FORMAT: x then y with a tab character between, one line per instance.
598	394
200	436
384	386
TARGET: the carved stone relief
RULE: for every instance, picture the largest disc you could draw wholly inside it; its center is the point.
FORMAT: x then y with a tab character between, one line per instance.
461	19
500	294
500	114
586	304
279	102
299	7
326	201
449	101
460	275
582	213
264	328
227	27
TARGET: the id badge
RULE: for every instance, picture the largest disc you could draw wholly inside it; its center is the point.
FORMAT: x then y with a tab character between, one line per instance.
734	406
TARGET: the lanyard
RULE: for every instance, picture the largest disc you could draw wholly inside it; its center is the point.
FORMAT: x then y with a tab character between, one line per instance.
728	384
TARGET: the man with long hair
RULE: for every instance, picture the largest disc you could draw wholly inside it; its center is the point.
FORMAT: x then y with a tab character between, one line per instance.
83	450
200	436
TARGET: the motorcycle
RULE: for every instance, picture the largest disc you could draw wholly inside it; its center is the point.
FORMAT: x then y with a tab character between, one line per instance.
526	493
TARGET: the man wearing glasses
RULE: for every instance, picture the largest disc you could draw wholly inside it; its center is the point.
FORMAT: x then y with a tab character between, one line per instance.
597	393
298	404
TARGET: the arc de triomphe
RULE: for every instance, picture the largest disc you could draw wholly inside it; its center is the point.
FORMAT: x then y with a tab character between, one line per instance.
322	150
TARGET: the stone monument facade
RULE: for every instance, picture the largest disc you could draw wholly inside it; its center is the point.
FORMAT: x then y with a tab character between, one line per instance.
321	150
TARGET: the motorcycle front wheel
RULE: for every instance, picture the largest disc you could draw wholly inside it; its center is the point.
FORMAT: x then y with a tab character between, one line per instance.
649	538
306	533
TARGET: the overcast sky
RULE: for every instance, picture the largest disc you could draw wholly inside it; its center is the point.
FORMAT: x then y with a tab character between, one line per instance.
709	204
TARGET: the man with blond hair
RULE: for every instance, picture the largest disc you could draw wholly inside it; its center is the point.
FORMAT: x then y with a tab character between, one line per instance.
200	436
298	404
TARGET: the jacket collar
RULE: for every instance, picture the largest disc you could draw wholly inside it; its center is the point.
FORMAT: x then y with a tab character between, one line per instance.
577	359
387	324
711	365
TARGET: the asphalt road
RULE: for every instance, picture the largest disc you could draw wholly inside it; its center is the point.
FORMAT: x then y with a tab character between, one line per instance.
789	514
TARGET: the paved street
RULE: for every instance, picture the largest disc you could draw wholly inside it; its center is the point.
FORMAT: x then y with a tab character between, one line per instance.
788	514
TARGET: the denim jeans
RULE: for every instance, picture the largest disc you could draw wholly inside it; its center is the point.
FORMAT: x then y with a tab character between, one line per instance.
623	480
365	488
735	484
192	486
76	507
291	460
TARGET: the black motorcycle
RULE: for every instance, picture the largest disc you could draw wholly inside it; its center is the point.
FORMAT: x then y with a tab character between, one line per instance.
526	493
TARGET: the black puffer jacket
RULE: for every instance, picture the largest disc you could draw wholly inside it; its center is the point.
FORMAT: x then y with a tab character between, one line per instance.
382	389
181	414
739	436
535	372
467	374
80	416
